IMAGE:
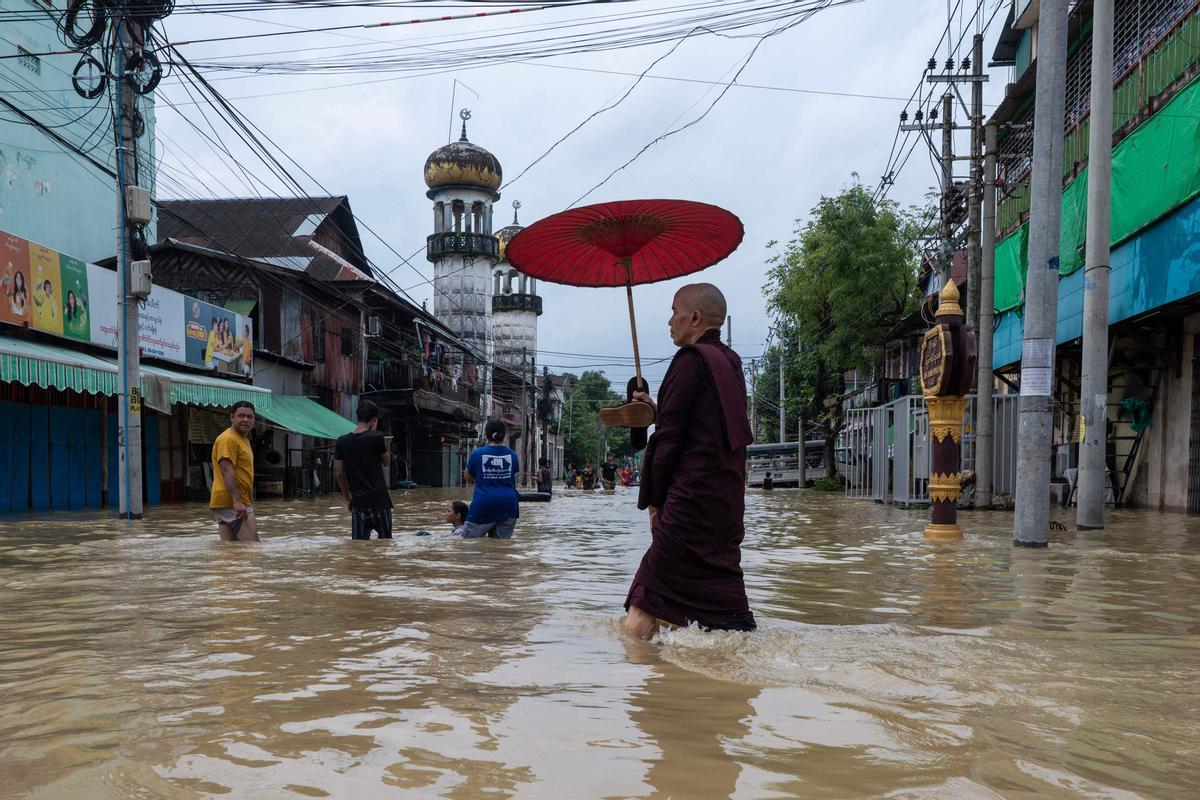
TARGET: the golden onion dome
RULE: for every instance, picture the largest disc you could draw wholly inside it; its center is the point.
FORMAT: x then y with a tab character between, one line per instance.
462	163
506	234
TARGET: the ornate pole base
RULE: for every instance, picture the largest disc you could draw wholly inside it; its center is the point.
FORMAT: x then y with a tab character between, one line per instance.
943	533
945	433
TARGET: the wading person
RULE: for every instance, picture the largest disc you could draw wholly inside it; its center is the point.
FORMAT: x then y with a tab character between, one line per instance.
232	496
456	515
495	504
608	473
693	480
361	461
544	483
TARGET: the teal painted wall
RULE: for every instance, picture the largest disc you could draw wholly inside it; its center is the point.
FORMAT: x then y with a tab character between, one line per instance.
1158	266
47	195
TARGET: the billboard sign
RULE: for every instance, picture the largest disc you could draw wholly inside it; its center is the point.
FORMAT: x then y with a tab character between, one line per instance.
58	294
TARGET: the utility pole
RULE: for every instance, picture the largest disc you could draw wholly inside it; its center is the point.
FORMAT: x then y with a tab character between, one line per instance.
1093	393
802	480
129	416
1031	519
984	407
947	182
782	413
524	417
754	399
974	224
729	331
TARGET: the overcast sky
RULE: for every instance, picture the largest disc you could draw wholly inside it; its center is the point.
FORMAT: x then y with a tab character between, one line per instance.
766	155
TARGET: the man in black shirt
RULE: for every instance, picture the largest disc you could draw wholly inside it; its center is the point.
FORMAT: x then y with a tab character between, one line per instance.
361	460
608	473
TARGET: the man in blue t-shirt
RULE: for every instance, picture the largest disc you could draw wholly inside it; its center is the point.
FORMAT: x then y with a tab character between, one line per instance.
495	505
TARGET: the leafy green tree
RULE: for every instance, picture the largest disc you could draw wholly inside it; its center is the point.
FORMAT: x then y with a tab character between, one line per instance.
586	437
840	290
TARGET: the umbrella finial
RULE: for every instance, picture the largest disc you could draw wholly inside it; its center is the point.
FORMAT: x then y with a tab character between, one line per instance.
516	207
464	115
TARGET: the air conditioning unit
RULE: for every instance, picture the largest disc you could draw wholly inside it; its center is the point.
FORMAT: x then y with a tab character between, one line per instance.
374	326
140	279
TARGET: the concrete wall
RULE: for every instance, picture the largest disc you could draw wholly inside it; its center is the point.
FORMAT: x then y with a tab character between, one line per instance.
47	194
1162	479
286	381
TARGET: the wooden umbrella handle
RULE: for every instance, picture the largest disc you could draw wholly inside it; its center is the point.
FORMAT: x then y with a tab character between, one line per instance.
637	358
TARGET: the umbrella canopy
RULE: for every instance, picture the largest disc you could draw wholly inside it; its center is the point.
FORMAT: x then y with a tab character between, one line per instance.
626	242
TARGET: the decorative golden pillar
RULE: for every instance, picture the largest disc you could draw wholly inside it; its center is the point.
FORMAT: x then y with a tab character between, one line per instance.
947	362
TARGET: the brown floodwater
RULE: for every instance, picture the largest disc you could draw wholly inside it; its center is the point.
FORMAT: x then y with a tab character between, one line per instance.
147	660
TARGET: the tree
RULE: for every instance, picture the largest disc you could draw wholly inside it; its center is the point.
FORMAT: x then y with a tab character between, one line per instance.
587	439
840	290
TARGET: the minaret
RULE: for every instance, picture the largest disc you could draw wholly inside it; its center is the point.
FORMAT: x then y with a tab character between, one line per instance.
515	308
463	179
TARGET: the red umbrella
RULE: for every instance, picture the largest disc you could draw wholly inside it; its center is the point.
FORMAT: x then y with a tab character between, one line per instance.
626	243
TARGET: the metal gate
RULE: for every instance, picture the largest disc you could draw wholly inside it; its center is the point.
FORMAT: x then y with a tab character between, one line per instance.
883	452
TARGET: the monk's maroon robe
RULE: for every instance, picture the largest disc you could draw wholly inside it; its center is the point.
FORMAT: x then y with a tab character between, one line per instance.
694	473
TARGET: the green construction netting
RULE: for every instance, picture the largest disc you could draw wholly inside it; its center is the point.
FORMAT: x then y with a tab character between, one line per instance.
307	417
1156	169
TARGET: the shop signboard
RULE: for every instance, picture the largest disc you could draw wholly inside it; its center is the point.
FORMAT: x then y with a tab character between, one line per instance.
58	294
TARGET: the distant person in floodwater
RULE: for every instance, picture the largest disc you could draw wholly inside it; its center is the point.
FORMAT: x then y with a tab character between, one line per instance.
456	516
493	470
587	477
768	482
544	483
571	473
608	473
693	480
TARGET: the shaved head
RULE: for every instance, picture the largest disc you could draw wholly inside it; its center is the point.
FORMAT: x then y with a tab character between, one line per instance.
705	298
696	309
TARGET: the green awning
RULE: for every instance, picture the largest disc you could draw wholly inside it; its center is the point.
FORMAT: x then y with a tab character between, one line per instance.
243	307
305	416
36	364
50	367
202	390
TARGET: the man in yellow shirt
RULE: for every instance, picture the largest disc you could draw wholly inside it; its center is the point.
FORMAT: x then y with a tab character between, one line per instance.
233	477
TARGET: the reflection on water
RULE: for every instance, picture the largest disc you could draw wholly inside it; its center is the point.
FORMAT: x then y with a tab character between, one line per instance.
149	661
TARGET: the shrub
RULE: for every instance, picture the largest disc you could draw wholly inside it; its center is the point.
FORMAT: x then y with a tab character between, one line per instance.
827	485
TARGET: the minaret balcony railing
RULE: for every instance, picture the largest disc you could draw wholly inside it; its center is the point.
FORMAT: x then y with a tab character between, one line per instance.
517	302
439	245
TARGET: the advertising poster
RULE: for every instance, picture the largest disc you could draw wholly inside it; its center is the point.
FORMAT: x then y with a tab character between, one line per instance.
14	279
75	311
46	290
64	296
160	324
103	308
217	338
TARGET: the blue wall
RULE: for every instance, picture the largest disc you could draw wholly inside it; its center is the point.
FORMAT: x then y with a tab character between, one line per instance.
1158	266
46	195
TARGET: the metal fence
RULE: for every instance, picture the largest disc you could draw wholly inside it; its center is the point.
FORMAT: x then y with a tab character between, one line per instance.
883	452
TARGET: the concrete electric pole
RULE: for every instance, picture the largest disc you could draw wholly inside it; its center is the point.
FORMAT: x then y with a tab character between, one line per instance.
1093	394
984	414
129	414
975	191
1031	519
782	413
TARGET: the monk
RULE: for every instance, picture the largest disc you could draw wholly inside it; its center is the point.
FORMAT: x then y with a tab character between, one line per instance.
693	480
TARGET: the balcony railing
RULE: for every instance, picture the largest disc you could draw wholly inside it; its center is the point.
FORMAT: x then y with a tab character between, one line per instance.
517	302
439	245
390	376
1157	46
